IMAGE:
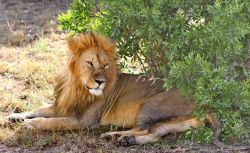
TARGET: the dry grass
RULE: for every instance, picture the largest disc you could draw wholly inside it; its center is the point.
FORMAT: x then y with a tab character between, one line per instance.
26	83
26	78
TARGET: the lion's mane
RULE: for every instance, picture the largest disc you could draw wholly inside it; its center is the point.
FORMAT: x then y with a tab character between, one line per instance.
71	97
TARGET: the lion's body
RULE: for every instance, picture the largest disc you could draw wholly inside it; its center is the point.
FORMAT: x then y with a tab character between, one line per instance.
139	99
91	92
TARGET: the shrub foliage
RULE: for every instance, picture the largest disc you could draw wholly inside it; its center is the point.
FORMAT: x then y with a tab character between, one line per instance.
200	46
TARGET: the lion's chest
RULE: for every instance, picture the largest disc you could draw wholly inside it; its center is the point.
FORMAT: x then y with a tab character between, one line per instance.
122	115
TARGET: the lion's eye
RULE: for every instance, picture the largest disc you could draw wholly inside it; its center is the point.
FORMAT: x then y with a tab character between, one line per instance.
90	63
106	66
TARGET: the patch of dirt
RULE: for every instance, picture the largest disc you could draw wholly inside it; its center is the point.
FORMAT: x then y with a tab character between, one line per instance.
6	149
109	148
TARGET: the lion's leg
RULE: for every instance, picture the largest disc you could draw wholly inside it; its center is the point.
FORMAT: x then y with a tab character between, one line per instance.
160	129
60	123
180	124
134	131
48	111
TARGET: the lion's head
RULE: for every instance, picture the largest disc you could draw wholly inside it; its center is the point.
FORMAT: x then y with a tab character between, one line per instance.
93	62
91	73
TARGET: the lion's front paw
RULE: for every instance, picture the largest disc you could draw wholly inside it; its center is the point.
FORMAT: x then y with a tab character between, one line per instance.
126	141
14	117
35	123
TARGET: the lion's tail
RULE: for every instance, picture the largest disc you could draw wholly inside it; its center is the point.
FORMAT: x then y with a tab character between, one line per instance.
216	126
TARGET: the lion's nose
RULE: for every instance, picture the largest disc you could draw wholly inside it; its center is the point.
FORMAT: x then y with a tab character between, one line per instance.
99	81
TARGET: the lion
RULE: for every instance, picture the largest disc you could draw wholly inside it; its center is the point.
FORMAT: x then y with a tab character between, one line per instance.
91	92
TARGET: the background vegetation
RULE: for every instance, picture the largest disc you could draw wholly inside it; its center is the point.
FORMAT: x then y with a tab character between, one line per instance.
200	46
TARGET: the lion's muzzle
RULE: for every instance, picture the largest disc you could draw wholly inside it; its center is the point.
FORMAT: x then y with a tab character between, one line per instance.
98	90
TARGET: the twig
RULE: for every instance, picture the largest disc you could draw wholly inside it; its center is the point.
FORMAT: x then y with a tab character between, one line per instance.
97	9
8	23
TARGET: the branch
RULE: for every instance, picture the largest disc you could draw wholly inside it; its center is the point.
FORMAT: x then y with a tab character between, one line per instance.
140	60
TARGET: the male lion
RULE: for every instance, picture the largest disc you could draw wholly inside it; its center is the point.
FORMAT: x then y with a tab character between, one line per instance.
92	92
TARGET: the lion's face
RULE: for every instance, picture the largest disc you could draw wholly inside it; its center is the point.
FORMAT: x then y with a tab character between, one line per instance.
93	62
94	70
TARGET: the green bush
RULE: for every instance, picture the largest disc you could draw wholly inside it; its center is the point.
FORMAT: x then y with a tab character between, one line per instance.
200	46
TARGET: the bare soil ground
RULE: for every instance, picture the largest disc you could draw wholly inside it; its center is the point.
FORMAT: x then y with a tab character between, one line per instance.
26	83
